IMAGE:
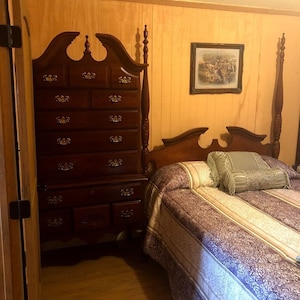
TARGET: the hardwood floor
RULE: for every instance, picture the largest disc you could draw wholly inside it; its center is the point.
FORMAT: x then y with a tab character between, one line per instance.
110	271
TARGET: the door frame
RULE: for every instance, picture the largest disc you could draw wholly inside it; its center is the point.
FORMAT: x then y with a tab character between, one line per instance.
17	165
11	285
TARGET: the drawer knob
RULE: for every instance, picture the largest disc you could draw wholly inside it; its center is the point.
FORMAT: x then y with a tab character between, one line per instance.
115	118
115	139
62	98
117	162
115	98
127	213
57	222
127	192
63	120
63	141
54	200
64	166
50	78
88	75
124	79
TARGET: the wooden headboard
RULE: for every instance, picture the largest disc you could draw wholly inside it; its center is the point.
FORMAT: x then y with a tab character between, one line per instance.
185	147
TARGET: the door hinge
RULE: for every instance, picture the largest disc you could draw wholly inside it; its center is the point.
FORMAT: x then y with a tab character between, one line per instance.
19	209
10	36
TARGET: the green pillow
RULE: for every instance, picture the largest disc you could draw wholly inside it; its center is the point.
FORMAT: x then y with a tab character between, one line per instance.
240	180
221	162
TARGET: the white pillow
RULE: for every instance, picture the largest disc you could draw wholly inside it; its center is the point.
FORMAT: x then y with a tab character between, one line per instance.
199	173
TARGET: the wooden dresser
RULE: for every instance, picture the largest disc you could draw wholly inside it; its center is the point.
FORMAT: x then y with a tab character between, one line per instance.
92	133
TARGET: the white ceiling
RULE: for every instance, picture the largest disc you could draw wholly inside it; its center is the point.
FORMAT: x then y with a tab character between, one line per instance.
292	6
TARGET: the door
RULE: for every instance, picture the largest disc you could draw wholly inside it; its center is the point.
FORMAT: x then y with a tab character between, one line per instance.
18	239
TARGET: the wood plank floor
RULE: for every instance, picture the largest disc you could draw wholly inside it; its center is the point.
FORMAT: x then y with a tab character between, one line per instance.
110	271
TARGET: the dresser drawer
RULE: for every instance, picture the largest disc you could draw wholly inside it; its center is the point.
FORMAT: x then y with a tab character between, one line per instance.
91	217
91	195
87	120
51	76
129	212
61	99
56	221
64	142
120	79
115	99
87	165
89	75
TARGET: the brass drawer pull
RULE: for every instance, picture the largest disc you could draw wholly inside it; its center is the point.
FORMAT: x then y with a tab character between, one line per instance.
50	78
124	79
62	98
64	166
127	213
115	139
115	98
63	141
54	200
63	120
117	162
88	75
57	222
127	192
115	118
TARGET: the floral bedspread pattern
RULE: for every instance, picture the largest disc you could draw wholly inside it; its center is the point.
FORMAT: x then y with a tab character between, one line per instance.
207	254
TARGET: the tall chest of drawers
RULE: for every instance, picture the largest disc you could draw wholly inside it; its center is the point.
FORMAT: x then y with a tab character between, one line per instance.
91	120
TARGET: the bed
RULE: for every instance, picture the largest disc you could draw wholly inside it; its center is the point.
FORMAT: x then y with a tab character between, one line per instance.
224	222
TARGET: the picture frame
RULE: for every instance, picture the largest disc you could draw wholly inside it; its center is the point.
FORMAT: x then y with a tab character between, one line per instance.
216	68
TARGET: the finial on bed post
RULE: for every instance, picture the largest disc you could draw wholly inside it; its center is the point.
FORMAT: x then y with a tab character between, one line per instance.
145	107
278	100
87	45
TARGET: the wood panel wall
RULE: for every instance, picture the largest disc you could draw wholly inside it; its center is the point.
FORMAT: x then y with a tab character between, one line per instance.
172	28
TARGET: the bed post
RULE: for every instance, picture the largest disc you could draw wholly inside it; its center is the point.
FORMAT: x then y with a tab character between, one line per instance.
145	107
277	119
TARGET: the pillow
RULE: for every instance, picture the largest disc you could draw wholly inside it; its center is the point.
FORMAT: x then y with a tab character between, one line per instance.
199	174
221	162
183	175
240	180
273	163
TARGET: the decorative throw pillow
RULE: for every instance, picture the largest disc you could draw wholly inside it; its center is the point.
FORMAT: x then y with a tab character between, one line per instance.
221	162
183	175
199	173
237	181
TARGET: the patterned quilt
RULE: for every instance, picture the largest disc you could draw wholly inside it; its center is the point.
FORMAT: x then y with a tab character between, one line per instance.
219	246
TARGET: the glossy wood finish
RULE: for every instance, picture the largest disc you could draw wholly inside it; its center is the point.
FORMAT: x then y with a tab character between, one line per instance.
90	118
108	271
185	147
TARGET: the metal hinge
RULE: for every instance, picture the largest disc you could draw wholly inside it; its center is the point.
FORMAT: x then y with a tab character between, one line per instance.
10	36
19	209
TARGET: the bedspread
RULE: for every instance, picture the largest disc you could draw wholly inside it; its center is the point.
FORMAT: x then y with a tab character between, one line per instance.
200	236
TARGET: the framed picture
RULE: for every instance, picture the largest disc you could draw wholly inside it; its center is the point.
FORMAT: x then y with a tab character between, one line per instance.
216	68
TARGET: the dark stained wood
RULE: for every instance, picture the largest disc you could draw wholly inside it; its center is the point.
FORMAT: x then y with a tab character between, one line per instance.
297	163
145	107
185	147
92	136
278	101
